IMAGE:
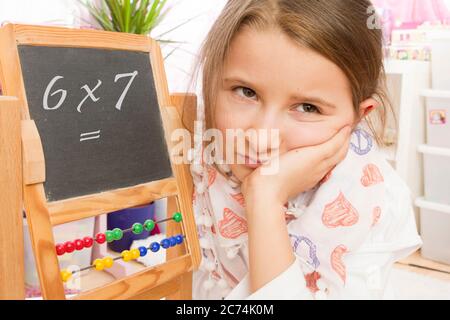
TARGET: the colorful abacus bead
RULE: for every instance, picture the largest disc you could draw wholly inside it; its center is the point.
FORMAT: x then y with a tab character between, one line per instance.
109	236
177	217
149	225
117	234
137	228
65	275
135	253
155	247
108	262
88	242
126	255
60	249
165	243
100	238
99	265
173	241
143	251
79	245
69	247
179	239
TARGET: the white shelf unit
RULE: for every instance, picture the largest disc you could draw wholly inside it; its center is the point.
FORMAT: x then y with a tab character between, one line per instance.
406	79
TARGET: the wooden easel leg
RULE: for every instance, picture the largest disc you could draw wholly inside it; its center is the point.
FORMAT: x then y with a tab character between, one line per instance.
12	278
185	290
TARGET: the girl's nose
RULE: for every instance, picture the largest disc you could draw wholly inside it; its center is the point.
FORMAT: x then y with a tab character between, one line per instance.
266	136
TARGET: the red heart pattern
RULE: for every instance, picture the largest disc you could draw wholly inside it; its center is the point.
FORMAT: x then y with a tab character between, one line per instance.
239	198
371	176
212	174
336	261
340	213
376	214
311	281
232	226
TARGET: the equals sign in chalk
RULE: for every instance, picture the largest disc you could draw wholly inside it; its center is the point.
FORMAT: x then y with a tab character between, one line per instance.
90	136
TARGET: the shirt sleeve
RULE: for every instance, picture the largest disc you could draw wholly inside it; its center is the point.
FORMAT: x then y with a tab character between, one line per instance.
289	285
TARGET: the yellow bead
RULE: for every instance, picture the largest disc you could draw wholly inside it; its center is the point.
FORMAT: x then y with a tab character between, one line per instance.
99	265
65	275
108	262
126	255
135	253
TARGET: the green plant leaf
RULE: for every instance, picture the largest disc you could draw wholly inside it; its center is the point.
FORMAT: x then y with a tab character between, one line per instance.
142	12
126	15
100	16
114	8
133	16
151	16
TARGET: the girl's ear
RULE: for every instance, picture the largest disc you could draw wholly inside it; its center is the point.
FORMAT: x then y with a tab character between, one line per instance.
367	106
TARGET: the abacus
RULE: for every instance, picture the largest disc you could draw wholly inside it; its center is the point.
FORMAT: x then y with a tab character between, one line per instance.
172	279
115	235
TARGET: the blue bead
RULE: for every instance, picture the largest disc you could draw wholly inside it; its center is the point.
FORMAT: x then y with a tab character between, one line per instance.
165	243
143	251
173	241
154	247
179	239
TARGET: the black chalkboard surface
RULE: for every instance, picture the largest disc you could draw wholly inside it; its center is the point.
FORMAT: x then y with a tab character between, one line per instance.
98	117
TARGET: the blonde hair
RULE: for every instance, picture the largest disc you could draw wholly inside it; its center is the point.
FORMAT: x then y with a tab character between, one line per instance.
336	29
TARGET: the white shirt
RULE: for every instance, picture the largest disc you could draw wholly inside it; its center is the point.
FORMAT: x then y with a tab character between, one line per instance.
352	244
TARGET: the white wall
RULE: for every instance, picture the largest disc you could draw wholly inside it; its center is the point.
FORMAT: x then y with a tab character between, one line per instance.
70	13
179	65
59	12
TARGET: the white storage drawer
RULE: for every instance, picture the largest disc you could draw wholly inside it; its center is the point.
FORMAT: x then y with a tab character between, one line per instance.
435	230
440	64
436	170
438	118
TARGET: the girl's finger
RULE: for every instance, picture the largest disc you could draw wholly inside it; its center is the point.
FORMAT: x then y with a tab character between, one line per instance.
334	145
339	156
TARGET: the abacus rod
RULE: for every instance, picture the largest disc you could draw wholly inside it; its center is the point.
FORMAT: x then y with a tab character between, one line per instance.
114	259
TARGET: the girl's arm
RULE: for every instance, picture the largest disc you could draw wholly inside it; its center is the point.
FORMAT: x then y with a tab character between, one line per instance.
270	251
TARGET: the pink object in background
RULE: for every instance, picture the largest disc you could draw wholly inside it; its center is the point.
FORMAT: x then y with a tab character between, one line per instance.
416	12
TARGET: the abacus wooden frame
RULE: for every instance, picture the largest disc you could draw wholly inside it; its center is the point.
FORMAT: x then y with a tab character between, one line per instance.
172	279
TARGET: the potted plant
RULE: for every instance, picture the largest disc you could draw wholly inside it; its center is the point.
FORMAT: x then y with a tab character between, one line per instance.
133	16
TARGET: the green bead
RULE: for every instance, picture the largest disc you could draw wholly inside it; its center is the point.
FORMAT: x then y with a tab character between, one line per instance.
137	228
177	217
149	225
117	234
109	236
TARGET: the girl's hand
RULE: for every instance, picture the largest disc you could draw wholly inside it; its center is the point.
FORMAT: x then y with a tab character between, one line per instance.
299	170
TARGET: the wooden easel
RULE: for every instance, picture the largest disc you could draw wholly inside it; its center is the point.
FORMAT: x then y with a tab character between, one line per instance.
172	279
12	284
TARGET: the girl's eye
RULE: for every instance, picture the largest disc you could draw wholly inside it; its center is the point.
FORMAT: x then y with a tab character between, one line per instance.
245	92
307	108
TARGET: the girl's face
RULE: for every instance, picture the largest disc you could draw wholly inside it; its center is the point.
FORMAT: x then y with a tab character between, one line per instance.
270	82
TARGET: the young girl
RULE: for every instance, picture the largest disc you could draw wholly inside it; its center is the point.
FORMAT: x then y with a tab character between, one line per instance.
332	220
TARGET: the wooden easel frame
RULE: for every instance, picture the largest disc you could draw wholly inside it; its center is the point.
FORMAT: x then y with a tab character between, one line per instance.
12	278
172	279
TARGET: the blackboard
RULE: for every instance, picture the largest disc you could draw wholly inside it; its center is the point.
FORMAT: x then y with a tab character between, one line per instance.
98	117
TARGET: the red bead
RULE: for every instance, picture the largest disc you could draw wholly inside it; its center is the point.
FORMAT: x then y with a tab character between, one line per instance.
100	238
69	247
88	241
60	249
79	245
